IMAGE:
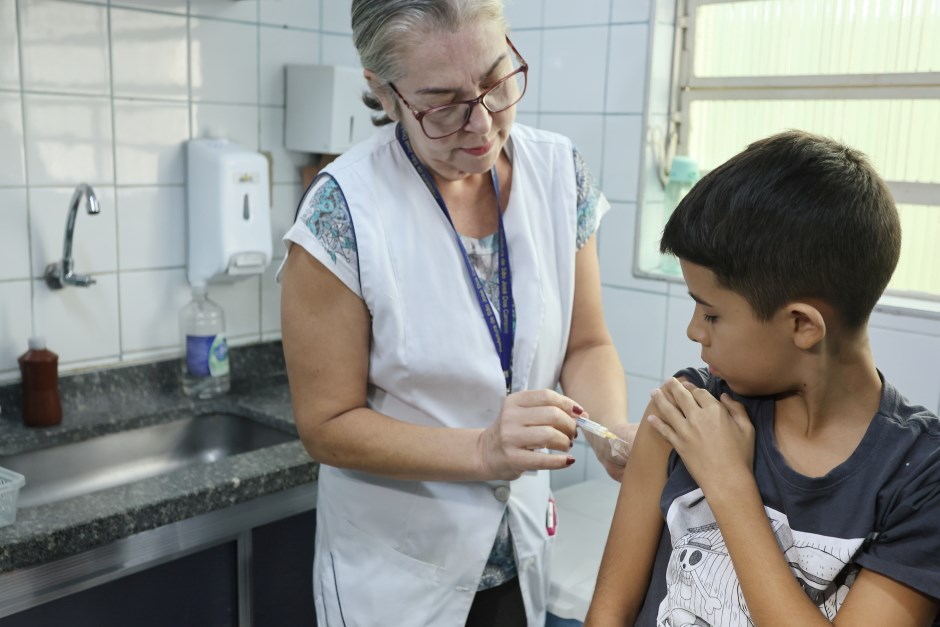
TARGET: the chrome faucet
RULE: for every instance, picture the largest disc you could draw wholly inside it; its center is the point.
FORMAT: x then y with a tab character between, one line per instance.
61	273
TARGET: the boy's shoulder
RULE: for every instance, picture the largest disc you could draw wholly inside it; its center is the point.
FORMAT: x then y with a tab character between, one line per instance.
894	408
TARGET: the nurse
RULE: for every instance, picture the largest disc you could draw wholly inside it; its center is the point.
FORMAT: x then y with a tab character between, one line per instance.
442	281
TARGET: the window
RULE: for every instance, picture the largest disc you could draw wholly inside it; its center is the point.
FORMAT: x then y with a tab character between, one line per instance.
866	72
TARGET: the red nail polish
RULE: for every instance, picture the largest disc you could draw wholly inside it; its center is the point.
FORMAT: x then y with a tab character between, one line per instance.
569	461
576	409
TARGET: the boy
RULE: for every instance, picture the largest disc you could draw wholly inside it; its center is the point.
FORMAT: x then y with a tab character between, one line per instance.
808	493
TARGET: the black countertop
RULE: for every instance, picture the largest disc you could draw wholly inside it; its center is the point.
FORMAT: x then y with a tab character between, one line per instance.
116	399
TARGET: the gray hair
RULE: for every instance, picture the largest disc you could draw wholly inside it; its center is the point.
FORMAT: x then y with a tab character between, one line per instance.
382	28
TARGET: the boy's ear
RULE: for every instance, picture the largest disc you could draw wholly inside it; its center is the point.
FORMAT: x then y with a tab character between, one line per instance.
382	93
807	324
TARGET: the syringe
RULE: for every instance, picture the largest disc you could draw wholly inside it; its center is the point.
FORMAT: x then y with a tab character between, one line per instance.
618	445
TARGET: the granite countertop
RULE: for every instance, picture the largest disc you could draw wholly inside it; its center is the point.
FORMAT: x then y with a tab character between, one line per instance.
121	398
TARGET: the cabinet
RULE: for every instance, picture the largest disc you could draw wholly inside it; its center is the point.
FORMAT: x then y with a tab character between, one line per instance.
248	565
282	572
199	589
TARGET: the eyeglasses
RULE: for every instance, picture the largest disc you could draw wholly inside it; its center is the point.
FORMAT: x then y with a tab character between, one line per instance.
445	120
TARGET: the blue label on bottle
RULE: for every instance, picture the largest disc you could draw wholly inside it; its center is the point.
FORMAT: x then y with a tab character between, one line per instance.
206	355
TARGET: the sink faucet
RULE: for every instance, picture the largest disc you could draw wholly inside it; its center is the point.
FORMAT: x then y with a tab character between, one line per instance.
61	273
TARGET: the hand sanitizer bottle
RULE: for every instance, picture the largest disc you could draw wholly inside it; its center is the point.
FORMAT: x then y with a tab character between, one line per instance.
205	367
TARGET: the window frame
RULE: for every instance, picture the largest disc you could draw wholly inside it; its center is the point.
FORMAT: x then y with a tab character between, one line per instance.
687	88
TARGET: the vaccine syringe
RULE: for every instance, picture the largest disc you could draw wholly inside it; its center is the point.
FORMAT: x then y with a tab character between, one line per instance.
618	445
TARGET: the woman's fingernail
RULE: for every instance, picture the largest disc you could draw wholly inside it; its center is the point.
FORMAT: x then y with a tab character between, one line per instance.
569	461
577	409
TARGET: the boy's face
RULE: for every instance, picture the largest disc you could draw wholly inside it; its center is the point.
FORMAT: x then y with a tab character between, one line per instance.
752	356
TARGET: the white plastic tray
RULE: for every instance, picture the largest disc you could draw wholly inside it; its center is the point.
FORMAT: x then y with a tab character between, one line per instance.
10	484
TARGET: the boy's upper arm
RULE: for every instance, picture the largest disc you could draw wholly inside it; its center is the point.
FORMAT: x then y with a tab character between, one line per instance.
875	599
635	531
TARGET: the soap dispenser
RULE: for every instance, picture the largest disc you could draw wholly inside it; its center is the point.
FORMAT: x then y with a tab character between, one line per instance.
229	211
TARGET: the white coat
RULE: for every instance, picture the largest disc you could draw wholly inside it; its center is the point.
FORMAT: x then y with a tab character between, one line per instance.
411	553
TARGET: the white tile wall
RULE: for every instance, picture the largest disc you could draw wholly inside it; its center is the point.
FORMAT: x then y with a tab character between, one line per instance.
615	243
292	13
151	227
287	164
238	123
68	139
586	132
170	6
224	61
336	16
339	50
108	95
64	47
81	325
112	107
637	321
148	142
149	55
283	207
908	361
629	11
14	215
9	50
626	82
145	298
280	47
567	13
12	165
524	13
623	143
243	10
574	69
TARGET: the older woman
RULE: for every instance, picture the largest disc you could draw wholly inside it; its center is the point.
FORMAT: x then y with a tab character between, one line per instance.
444	284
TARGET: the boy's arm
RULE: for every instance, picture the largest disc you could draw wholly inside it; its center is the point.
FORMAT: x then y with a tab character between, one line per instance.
717	449
634	533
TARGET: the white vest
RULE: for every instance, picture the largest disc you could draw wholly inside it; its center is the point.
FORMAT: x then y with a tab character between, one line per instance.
406	553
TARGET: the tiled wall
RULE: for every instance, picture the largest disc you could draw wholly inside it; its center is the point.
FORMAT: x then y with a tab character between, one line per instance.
107	94
633	42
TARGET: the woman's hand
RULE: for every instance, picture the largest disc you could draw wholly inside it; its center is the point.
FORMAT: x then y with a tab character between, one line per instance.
529	420
612	454
714	439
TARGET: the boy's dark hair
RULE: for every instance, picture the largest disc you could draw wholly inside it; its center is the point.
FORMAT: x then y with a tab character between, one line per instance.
793	216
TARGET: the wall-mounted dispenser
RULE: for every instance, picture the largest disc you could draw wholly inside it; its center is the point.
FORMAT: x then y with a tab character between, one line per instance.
229	208
325	113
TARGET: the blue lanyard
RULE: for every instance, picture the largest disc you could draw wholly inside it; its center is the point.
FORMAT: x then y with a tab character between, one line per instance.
502	333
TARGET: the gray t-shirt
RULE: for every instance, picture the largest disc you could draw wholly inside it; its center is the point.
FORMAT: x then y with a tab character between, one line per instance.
880	510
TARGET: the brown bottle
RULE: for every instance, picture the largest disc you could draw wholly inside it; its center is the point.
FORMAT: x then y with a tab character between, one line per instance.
39	368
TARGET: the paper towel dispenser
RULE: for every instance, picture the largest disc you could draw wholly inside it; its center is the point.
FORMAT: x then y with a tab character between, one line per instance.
325	113
229	211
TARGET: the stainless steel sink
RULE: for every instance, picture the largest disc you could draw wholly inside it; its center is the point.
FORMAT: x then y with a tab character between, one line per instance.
68	470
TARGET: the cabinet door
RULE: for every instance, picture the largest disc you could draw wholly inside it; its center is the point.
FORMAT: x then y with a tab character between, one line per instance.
197	590
282	574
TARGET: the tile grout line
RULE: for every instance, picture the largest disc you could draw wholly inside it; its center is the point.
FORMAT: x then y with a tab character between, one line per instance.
114	177
29	217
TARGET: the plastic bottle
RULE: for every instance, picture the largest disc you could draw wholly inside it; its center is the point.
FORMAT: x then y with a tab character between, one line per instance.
683	174
205	366
39	368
